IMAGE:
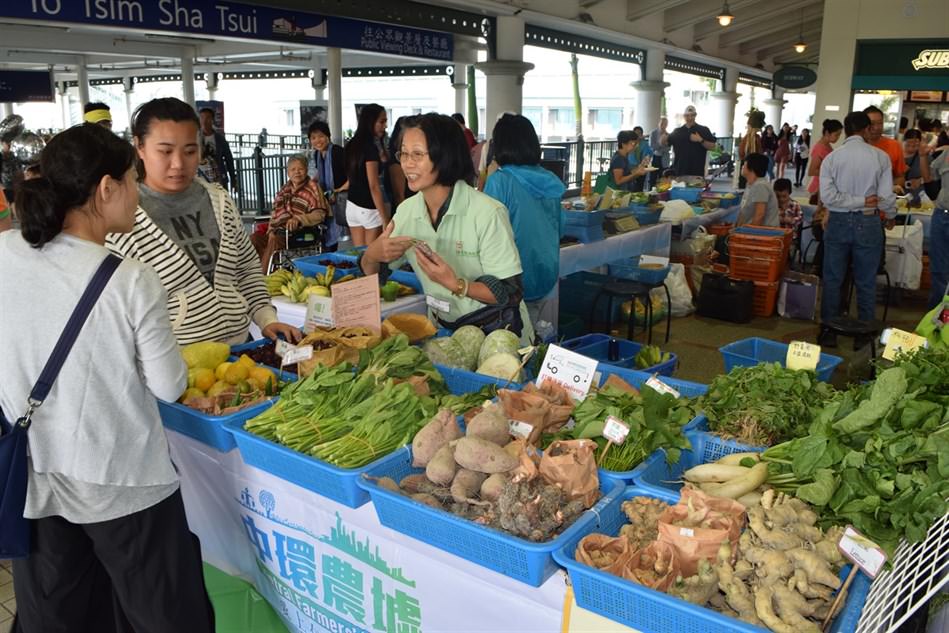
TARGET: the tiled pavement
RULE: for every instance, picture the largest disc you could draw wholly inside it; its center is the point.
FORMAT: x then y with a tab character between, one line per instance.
7	599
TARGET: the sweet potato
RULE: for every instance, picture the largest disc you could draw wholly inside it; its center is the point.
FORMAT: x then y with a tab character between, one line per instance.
491	425
427	499
466	485
388	483
483	456
440	430
492	486
441	469
411	484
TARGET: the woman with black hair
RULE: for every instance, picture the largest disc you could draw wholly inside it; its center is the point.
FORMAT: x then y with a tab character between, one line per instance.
327	166
802	154
366	208
191	233
458	240
769	147
830	134
759	205
110	545
532	196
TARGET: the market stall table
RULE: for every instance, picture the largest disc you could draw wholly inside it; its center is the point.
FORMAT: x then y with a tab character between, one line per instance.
295	313
718	216
326	567
653	239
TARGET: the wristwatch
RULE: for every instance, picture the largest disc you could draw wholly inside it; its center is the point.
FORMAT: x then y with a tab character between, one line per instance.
462	289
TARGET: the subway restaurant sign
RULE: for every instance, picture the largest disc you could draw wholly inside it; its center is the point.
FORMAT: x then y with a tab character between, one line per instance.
902	65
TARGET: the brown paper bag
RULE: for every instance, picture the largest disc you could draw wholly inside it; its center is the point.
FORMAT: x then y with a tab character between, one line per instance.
416	327
571	465
528	460
609	554
655	566
698	525
334	346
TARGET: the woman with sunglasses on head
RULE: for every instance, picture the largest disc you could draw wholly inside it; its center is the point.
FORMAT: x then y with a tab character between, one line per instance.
458	240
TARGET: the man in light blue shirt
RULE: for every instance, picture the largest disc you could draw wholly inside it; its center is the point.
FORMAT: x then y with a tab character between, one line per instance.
855	186
658	143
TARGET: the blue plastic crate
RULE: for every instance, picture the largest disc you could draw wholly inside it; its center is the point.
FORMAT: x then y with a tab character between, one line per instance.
689	194
661	477
583	341
630	269
520	559
645	609
207	429
310	265
600	350
749	352
584	218
645	214
462	381
332	482
584	233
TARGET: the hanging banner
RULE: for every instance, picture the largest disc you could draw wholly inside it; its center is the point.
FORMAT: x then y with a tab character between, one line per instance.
232	19
21	86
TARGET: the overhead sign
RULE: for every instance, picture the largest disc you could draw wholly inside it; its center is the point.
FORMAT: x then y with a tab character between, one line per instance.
21	86
902	65
794	77
932	59
233	19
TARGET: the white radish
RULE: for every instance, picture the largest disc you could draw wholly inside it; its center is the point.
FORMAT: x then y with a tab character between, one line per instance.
739	486
750	499
705	473
734	459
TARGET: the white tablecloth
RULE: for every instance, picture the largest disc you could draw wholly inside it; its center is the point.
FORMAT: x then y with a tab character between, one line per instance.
650	240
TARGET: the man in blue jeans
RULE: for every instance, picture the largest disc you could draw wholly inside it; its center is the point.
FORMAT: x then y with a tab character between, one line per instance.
855	185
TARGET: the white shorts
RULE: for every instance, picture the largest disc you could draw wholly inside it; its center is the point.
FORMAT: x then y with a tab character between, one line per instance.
362	217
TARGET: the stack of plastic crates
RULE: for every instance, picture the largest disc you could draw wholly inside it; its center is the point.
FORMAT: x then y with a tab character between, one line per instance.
760	254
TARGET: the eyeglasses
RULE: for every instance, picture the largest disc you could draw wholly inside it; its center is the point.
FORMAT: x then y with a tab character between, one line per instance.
415	157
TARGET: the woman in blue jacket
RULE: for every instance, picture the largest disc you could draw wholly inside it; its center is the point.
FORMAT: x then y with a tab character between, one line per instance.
532	196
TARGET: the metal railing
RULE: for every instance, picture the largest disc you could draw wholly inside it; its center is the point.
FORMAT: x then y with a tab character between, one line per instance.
261	176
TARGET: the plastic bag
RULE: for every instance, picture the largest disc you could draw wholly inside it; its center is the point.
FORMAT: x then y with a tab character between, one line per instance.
697	250
679	291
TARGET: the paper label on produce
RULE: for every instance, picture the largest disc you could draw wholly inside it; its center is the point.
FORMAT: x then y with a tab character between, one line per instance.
437	304
653	259
282	347
899	342
861	551
684	531
574	372
356	303
802	355
661	387
615	430
296	354
521	429
319	312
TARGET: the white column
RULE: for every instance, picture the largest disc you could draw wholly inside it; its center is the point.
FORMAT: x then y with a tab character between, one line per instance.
319	88
649	90
64	103
212	78
128	86
82	78
773	108
334	80
459	81
6	109
723	107
187	76
505	75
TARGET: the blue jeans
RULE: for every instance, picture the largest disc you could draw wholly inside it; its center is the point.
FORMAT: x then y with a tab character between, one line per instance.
856	236
939	256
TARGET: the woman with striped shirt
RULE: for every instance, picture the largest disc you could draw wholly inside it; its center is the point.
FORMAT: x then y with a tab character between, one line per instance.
191	233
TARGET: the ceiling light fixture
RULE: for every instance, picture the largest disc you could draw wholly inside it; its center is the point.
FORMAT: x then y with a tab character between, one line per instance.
725	17
801	45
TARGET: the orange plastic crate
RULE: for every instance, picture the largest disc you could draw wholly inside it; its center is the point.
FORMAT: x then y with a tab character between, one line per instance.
765	298
756	263
720	229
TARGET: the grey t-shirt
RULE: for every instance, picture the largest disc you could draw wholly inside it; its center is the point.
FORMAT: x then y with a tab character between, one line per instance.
760	191
188	219
940	169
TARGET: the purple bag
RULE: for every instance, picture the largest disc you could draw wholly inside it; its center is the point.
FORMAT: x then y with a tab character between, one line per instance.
797	297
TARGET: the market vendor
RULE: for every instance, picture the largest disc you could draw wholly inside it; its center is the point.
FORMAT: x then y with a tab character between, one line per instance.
458	240
191	233
759	205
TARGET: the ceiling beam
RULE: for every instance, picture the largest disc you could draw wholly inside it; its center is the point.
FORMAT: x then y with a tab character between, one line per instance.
697	11
733	37
753	15
586	4
810	38
639	9
789	33
811	55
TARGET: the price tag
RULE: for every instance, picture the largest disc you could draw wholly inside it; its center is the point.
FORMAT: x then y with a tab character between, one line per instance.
319	312
661	387
437	304
574	372
282	347
802	355
861	551
653	259
296	354
521	429
899	342
684	531
615	430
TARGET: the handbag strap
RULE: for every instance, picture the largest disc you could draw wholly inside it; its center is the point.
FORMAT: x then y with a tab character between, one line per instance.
70	333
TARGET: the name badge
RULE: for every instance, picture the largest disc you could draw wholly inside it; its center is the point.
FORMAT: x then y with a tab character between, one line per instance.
438	305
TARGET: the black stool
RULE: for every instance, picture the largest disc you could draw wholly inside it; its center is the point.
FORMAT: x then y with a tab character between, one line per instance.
631	290
853	328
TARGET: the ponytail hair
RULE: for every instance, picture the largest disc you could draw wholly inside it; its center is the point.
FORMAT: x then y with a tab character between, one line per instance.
72	164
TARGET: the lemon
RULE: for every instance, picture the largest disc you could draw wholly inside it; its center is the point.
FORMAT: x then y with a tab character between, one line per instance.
236	373
221	370
189	393
218	388
247	361
203	378
262	376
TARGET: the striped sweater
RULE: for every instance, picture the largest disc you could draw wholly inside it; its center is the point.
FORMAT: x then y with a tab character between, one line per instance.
201	311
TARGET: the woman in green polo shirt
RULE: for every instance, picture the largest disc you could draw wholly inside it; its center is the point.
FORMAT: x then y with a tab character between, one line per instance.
458	240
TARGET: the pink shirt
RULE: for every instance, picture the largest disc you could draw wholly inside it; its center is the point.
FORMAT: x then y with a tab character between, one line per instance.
818	151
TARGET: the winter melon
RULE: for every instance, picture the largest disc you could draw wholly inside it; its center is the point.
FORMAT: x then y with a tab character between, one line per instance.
445	351
470	338
498	342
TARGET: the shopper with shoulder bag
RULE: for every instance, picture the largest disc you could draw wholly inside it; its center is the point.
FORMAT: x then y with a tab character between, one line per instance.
97	520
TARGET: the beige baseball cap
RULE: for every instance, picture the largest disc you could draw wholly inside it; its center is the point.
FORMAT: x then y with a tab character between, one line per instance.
689	110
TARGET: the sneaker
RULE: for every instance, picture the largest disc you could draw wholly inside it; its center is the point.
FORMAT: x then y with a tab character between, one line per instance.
827	339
